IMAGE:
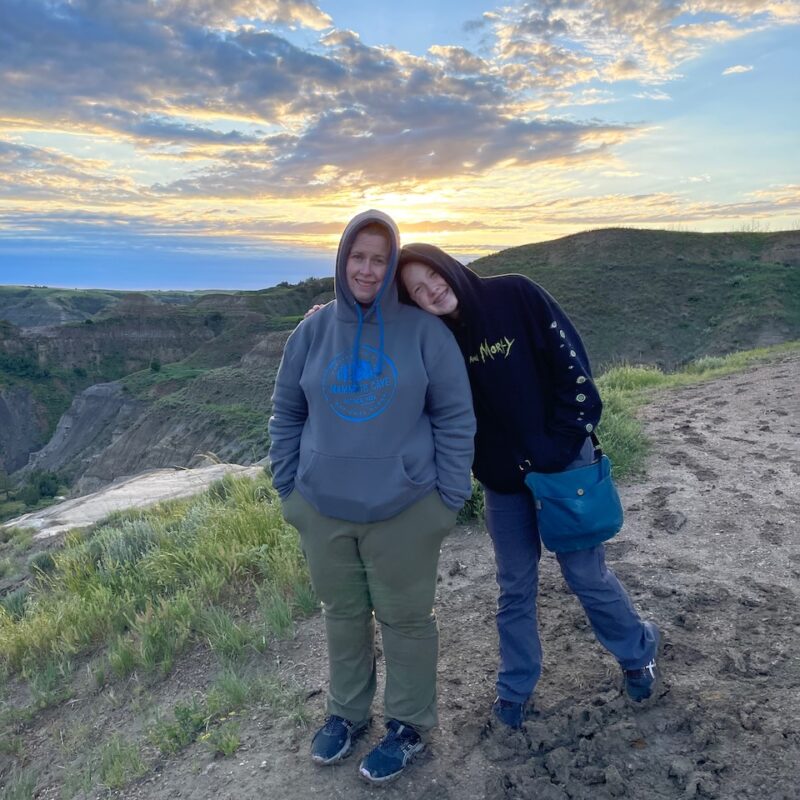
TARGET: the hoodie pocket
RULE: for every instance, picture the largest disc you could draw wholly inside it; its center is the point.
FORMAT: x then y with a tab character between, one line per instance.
360	489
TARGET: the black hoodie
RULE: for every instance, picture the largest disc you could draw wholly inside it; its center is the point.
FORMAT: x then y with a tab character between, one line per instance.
531	382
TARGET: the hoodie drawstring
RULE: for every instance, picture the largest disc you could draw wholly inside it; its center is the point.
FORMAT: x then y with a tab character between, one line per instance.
379	370
356	347
354	385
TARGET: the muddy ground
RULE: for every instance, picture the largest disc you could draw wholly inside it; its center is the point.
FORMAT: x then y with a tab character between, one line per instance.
709	550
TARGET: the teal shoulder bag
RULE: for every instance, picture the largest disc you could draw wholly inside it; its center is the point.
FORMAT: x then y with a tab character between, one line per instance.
578	508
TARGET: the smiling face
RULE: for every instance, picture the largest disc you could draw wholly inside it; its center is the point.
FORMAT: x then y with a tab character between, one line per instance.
366	265
429	290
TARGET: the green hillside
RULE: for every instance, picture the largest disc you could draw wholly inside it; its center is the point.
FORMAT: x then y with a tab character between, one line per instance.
661	297
38	306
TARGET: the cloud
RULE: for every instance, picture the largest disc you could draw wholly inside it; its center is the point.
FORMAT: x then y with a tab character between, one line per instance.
738	69
252	100
655	94
46	174
62	60
421	139
565	43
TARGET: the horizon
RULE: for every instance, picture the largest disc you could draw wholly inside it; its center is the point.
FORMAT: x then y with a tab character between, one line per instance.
174	145
260	286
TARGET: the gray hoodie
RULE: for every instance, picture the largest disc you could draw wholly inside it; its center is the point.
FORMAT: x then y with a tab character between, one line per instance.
372	408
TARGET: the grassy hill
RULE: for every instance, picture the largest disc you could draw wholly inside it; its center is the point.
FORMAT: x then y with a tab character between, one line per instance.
38	306
665	298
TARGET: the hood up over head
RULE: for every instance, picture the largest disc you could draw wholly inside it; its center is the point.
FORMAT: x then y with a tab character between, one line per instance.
386	302
462	280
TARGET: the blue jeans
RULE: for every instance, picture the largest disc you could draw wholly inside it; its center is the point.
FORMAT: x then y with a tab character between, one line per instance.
511	520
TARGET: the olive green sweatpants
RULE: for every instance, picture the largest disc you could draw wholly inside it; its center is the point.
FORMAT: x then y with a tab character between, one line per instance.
386	571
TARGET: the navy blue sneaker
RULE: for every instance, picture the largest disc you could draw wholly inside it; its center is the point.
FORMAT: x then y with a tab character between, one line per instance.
392	754
509	713
334	741
640	684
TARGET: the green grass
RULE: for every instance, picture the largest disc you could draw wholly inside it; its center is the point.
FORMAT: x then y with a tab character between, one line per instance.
11	745
474	507
49	681
14	603
146	584
41	563
142	383
17	539
228	637
120	763
127	598
11	508
172	735
110	766
208	718
224	740
19	786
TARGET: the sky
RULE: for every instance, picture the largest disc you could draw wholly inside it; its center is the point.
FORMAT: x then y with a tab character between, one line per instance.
197	144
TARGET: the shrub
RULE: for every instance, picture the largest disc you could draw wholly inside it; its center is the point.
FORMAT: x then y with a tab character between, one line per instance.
42	563
474	507
120	763
224	740
14	602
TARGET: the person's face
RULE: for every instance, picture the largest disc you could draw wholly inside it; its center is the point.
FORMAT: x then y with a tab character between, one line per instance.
429	290
366	266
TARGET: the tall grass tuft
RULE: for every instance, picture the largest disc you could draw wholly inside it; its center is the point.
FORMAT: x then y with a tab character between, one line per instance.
119	763
14	603
228	637
19	786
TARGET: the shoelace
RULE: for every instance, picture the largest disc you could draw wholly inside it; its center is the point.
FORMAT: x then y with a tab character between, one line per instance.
404	736
333	723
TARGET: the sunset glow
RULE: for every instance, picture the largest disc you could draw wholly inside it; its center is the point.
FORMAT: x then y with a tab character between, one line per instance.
200	143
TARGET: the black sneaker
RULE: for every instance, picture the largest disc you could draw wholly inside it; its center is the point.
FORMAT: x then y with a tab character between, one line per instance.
509	713
640	684
392	754
335	739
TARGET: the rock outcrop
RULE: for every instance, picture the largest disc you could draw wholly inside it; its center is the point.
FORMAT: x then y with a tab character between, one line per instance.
97	417
20	432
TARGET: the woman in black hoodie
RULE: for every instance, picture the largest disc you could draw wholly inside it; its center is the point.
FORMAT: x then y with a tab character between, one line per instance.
534	401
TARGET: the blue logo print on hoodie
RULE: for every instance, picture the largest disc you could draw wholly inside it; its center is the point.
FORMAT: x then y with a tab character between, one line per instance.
365	395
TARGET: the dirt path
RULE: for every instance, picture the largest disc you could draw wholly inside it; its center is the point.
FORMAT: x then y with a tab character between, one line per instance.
709	550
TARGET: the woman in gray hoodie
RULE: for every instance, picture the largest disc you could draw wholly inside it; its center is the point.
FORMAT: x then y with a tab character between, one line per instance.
372	442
